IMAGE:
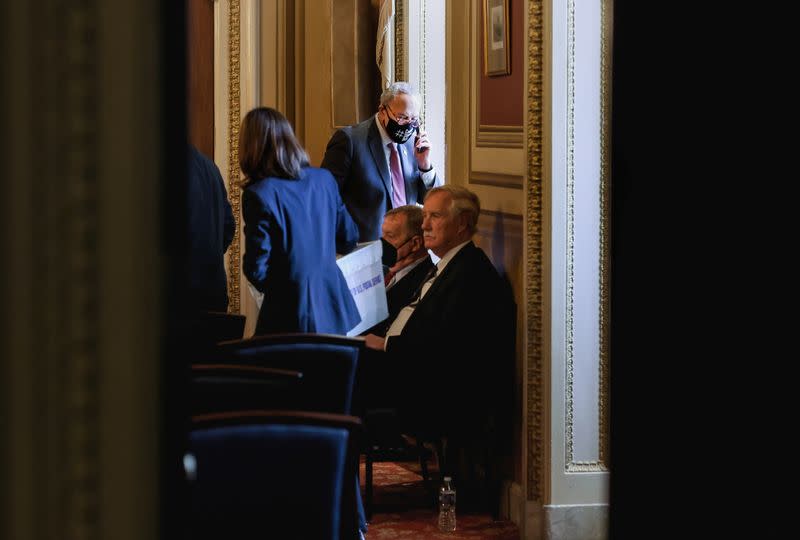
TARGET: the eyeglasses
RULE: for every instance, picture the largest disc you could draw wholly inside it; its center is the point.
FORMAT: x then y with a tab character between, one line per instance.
404	119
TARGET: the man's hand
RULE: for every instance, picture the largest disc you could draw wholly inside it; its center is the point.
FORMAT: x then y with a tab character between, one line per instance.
374	342
422	151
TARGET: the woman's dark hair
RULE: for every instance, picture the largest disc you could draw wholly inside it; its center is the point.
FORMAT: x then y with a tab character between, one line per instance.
268	147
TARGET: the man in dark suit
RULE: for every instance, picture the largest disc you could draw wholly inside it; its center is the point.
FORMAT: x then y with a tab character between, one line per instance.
210	230
402	229
383	162
451	347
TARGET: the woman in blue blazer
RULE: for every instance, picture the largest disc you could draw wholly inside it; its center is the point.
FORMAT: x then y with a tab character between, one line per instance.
294	224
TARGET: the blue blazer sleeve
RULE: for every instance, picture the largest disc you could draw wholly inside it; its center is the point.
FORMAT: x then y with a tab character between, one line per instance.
346	228
257	224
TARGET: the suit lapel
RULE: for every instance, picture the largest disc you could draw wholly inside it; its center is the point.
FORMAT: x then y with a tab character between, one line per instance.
406	286
376	148
441	279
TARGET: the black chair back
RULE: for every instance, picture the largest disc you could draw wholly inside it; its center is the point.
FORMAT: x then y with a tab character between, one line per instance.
328	363
273	474
217	388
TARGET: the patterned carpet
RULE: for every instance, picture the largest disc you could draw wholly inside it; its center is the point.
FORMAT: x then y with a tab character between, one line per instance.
402	509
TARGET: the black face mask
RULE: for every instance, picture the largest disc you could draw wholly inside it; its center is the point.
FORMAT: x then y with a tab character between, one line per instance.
398	133
389	255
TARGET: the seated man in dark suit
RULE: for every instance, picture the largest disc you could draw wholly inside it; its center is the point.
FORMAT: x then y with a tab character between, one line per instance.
402	230
451	346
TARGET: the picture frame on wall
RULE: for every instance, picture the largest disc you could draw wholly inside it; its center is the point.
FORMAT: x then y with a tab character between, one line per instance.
495	44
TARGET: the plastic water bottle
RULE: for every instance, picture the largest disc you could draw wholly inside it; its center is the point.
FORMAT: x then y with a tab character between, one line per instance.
447	506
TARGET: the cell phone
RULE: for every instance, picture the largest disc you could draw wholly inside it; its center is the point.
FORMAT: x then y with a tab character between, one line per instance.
417	148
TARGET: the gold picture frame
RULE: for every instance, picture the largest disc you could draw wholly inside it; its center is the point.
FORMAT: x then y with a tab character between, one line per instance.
495	43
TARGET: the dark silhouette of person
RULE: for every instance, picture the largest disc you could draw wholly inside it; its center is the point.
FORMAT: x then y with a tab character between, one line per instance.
211	229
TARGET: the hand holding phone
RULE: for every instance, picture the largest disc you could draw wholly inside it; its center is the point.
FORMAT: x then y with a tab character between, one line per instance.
419	149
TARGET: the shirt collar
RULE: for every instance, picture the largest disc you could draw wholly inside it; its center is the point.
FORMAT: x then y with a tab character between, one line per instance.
406	269
449	256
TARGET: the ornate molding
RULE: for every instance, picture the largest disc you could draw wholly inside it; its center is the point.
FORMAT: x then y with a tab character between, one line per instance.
65	434
511	181
79	335
400	40
601	463
423	67
534	351
606	35
500	136
234	120
570	292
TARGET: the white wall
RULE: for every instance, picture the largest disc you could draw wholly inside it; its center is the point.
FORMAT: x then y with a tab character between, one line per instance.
578	472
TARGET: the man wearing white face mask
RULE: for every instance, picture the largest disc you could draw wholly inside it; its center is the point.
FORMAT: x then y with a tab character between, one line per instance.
383	162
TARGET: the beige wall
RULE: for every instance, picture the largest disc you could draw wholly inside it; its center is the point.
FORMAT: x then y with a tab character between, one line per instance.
338	87
494	173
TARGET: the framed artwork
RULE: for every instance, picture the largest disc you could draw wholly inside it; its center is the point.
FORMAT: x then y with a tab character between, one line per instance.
495	43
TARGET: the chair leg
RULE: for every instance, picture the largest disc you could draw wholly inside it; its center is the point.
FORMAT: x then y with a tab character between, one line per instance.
441	451
368	483
423	465
492	486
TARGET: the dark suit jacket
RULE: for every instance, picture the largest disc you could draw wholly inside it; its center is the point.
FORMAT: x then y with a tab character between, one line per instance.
356	158
400	295
293	230
458	344
210	231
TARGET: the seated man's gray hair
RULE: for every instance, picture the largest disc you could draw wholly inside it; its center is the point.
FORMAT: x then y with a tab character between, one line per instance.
464	202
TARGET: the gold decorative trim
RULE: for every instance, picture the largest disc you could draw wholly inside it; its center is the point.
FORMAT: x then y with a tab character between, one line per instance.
533	257
423	66
570	293
80	334
606	48
495	179
400	40
234	120
65	437
489	136
599	464
79	225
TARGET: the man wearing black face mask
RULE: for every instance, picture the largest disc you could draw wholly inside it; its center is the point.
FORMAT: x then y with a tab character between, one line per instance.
383	162
410	263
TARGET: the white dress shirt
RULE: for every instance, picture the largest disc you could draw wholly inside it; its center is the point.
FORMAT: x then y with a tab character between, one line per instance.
400	321
402	272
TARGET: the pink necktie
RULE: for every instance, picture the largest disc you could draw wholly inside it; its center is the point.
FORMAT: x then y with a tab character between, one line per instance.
398	184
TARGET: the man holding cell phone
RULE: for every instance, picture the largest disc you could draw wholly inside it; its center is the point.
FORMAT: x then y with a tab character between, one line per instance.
383	162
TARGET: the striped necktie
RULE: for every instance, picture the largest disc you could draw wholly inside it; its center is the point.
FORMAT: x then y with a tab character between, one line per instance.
398	184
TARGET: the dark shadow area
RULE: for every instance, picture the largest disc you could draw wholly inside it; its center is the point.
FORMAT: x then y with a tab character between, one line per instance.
669	286
177	336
